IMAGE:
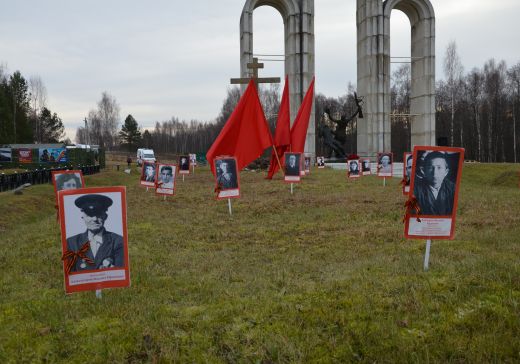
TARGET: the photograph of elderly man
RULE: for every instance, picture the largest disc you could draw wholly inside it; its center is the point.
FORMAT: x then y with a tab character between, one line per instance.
105	248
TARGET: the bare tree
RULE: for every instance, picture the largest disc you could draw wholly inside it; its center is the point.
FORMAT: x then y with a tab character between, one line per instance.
108	114
37	101
474	94
453	70
513	76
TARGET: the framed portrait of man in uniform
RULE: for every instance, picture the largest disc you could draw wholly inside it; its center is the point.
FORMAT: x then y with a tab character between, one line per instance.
434	188
165	177
184	164
292	164
148	174
407	171
365	167
67	180
385	164
94	238
227	177
320	162
353	168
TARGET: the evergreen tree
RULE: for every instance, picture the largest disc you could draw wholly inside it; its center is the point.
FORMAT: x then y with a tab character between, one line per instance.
51	127
130	133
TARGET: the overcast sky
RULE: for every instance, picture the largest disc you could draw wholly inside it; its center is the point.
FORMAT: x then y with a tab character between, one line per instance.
174	58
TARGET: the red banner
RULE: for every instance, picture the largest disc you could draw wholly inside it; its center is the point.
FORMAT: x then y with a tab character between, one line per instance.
25	155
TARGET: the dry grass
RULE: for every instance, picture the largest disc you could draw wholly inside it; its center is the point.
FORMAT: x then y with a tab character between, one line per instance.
323	275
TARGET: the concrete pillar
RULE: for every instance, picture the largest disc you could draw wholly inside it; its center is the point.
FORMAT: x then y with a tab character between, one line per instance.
373	37
298	19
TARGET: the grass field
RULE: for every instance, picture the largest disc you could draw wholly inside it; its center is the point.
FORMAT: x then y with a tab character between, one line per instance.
323	275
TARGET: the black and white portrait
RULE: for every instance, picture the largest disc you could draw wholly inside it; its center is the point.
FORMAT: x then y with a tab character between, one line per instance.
148	174
165	179
292	164
353	168
68	181
435	181
384	164
408	162
307	164
365	167
184	164
320	161
93	224
193	159
226	173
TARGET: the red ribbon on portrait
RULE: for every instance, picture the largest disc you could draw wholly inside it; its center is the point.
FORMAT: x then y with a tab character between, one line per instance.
218	188
412	204
73	256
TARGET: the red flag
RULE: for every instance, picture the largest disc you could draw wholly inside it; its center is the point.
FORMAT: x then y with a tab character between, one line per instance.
246	133
301	123
282	135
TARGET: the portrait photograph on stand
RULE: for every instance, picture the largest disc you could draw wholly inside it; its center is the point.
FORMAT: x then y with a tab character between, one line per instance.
320	162
148	174
165	177
193	159
353	170
365	167
434	188
292	167
184	164
94	238
384	164
407	171
67	180
227	178
307	164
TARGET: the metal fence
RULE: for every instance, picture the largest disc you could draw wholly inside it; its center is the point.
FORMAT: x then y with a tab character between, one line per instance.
38	176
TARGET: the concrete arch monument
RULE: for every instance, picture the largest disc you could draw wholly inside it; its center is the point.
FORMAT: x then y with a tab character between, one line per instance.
373	62
298	21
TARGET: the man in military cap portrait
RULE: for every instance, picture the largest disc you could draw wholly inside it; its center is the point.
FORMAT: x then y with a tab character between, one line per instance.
105	248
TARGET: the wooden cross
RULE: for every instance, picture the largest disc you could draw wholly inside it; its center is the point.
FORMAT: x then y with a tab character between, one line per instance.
255	66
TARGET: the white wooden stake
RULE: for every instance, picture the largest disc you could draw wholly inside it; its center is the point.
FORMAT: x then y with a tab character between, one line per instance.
164	197
291	188
99	295
427	255
146	189
384	181
229	205
182	178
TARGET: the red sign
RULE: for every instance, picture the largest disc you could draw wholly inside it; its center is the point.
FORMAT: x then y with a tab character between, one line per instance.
25	155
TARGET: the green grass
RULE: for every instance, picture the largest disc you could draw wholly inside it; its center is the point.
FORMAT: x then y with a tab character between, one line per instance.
322	276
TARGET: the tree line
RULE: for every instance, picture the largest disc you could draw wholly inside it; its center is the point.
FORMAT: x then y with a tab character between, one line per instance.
24	115
476	110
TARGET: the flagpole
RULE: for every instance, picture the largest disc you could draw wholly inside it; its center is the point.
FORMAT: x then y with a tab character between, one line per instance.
277	158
